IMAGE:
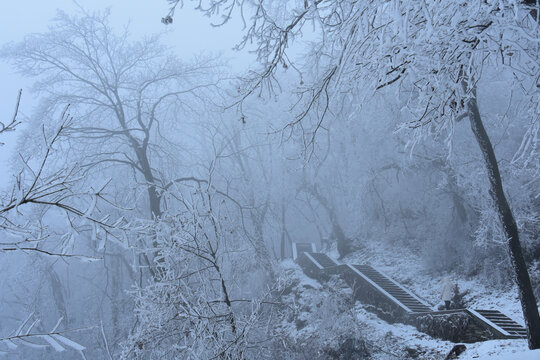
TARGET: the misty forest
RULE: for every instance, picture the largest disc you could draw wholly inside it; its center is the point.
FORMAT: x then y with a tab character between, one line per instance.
364	185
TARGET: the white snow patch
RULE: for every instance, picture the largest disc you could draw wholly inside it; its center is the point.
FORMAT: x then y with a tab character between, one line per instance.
500	350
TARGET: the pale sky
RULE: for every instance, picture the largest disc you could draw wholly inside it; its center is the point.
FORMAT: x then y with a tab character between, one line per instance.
189	34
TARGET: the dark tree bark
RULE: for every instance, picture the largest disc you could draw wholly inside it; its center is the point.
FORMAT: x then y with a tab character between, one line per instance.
521	275
153	196
344	244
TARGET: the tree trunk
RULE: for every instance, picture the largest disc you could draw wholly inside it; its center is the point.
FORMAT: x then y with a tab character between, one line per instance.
261	251
153	196
521	275
344	244
282	243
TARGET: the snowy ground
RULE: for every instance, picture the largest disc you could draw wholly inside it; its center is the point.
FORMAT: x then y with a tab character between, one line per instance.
407	269
390	339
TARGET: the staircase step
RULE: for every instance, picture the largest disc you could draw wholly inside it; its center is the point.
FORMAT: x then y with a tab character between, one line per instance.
502	320
394	290
509	322
510	326
324	260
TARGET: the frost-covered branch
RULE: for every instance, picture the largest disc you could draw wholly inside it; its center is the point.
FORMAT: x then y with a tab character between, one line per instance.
12	124
51	189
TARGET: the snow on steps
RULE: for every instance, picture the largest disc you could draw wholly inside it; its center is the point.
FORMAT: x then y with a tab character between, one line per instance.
506	326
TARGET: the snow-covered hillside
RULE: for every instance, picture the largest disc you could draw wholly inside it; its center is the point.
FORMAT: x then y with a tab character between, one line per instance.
399	341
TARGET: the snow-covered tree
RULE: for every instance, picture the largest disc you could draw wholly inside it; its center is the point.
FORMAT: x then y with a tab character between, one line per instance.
41	189
127	101
434	54
127	94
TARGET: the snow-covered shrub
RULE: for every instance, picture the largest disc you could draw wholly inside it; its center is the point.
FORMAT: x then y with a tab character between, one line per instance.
317	321
194	307
459	300
451	327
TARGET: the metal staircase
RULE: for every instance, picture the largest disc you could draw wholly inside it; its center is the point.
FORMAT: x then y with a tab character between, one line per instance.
500	322
397	293
396	302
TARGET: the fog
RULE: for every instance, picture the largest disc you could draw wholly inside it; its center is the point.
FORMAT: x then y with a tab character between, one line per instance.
269	180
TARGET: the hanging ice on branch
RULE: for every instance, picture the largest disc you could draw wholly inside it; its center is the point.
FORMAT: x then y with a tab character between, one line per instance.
25	335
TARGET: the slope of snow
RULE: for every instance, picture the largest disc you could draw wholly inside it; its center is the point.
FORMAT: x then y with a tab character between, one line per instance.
526	355
400	341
